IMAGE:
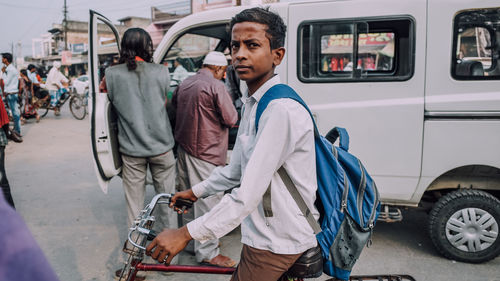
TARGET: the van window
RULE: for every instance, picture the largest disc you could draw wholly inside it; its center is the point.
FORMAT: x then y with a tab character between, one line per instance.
476	47
353	51
187	53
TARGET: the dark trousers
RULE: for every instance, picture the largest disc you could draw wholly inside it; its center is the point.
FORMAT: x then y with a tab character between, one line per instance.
261	265
4	183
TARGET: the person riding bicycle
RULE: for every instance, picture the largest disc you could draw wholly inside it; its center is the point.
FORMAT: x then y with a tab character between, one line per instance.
55	82
285	137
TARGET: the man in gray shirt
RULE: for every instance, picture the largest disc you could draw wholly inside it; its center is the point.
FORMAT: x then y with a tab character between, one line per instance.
138	90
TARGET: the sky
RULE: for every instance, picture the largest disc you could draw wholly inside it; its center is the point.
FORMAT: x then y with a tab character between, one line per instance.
27	19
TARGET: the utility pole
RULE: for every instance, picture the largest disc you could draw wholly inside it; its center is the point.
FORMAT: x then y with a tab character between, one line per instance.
65	26
13	54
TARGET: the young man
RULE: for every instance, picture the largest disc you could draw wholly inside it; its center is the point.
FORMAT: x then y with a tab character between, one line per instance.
285	138
202	136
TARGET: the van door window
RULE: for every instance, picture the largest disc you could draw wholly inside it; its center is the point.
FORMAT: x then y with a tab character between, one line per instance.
476	48
360	50
185	56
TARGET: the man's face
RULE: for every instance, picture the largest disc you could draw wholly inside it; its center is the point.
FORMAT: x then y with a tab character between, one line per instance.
4	60
251	53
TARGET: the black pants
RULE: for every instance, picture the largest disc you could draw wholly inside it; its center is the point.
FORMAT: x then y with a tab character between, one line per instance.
4	183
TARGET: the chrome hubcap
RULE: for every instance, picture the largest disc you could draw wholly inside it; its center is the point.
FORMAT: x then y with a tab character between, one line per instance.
471	230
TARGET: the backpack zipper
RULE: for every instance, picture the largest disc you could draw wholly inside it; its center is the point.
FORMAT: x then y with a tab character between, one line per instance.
372	216
375	204
343	205
361	194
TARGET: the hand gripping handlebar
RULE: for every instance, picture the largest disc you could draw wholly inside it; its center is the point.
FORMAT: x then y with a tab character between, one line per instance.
145	220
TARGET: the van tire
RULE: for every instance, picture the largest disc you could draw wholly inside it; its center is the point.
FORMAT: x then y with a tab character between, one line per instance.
450	209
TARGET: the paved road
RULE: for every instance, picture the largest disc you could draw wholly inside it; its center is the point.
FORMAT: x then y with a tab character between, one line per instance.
81	230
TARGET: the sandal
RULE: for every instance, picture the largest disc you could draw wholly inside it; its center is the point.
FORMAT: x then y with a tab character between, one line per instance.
220	261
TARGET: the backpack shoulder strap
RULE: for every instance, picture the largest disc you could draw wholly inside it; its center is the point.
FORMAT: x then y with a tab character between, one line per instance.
278	92
299	200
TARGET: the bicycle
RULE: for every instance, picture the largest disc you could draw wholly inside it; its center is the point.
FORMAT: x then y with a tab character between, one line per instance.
142	232
77	104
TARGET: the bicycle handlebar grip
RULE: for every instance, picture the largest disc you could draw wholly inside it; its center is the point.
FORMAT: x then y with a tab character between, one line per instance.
180	203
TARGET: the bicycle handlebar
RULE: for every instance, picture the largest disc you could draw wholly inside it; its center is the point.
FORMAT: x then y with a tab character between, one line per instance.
145	218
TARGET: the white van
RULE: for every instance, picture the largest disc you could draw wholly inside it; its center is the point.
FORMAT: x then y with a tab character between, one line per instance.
415	82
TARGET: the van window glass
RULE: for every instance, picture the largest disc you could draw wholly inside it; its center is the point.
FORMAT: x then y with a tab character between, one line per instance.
188	52
376	51
360	50
336	53
476	49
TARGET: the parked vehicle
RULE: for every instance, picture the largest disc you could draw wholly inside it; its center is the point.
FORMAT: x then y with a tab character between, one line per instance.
416	83
80	84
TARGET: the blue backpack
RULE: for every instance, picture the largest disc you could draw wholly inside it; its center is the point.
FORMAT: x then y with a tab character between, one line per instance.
348	199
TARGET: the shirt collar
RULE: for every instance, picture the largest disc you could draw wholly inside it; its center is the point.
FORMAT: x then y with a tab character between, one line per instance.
205	71
263	89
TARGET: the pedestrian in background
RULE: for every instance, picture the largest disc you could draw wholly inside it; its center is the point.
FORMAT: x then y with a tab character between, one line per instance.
54	84
180	73
26	89
137	89
10	77
4	133
204	113
40	94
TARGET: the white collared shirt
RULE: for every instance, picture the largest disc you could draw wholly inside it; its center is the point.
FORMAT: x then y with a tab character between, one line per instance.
11	79
55	77
285	137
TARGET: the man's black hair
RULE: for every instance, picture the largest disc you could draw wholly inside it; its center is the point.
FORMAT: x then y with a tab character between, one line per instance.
135	42
276	28
31	66
7	56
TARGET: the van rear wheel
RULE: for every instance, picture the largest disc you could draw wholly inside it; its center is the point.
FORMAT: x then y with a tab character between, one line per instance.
464	226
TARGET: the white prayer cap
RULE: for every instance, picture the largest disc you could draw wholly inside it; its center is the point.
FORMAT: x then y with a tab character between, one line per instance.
215	58
57	64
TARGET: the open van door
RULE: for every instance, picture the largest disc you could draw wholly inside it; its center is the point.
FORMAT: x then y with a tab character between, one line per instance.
104	44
